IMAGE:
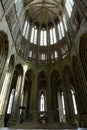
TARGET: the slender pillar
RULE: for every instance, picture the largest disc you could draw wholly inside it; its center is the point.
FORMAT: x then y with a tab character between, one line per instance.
69	109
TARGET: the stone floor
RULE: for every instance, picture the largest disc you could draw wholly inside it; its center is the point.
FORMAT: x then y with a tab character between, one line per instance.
5	128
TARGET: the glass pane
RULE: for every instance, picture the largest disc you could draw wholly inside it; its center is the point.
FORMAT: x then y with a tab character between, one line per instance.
35	36
42	101
51	37
19	5
63	104
45	38
11	101
25	26
27	31
59	30
64	20
62	29
74	102
41	38
56	54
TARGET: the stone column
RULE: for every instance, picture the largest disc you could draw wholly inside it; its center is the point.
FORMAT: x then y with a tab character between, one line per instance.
17	100
34	100
48	90
69	109
82	85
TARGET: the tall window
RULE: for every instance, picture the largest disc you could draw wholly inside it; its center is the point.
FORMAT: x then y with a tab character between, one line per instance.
64	20
30	53
43	38
63	104
26	30
52	36
69	6
43	56
56	54
74	102
42	102
19	6
61	30
33	38
11	101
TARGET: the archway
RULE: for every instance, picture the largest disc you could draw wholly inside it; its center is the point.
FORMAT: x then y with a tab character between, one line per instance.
3	50
42	91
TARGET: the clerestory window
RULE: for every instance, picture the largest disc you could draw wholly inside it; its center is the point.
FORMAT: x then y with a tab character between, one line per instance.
53	38
63	104
42	102
11	101
33	38
61	30
69	6
19	6
43	38
74	102
26	30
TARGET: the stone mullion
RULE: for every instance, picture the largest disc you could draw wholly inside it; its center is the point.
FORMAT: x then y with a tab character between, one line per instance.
68	102
48	93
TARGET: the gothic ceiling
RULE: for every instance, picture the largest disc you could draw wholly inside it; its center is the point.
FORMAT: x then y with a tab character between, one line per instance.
43	11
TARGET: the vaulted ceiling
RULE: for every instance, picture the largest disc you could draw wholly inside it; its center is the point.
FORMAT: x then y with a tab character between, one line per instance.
43	11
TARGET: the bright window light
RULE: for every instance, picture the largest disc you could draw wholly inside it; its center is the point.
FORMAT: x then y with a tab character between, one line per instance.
59	30
51	36
19	6
56	54
26	30
63	104
69	5
74	102
62	29
42	103
65	23
43	38
10	101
